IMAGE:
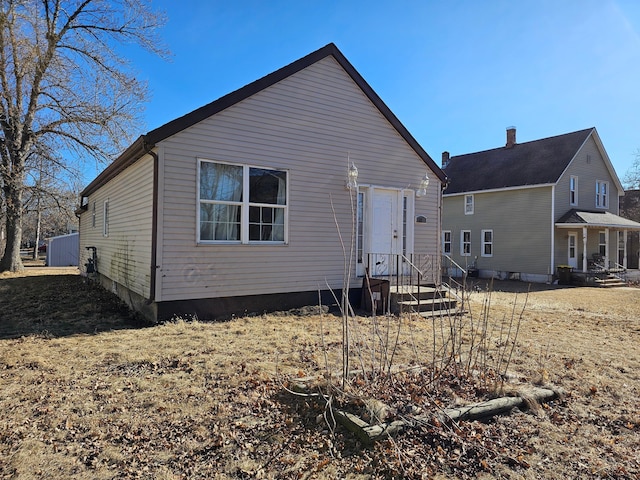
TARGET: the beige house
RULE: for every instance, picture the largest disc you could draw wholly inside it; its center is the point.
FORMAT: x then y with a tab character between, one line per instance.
244	204
524	209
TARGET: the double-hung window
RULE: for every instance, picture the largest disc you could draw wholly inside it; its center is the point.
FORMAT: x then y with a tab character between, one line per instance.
602	243
241	203
446	242
487	243
465	243
573	190
602	194
468	205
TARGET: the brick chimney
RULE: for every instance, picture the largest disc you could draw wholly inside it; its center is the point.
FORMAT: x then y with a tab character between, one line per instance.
511	137
445	159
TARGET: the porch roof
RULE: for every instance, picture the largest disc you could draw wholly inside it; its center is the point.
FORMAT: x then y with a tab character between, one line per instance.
576	218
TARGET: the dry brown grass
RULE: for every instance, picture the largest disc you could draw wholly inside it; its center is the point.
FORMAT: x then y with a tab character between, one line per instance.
86	392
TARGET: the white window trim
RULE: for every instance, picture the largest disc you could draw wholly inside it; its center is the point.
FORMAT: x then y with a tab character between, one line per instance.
244	226
444	242
473	206
484	243
602	199
105	216
573	192
462	243
360	224
407	213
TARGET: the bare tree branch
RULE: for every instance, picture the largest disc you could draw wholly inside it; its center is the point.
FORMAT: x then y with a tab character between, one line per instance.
65	88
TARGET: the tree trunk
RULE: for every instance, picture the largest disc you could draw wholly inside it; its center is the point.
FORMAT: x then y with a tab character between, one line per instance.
11	260
38	221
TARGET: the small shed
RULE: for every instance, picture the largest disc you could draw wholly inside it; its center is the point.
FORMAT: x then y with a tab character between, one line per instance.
63	251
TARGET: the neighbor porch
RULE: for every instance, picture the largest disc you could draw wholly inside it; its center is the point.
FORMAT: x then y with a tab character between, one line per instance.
594	244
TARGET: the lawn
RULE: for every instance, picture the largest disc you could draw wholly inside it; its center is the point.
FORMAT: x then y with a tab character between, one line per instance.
87	390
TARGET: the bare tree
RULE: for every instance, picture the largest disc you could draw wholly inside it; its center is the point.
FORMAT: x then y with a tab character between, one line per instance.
632	177
48	204
66	91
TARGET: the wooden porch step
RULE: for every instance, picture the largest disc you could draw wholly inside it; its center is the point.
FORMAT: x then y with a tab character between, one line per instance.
407	292
611	282
428	305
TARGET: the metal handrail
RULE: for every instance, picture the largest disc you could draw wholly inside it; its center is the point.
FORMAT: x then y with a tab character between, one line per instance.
404	257
458	286
620	271
463	270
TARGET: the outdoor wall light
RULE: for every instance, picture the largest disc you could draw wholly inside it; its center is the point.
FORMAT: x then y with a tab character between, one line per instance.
424	183
352	177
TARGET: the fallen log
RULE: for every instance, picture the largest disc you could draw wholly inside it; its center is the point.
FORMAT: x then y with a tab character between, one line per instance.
497	406
369	434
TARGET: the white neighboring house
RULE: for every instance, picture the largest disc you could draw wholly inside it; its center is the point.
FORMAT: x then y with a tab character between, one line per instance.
230	208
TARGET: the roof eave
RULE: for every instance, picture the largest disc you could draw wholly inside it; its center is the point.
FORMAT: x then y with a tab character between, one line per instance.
597	225
132	154
607	161
146	142
495	190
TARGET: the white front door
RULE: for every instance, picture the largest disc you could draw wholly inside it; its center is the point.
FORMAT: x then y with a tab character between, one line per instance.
572	246
391	233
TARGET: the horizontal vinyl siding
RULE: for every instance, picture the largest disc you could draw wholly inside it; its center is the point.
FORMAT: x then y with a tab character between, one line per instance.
125	254
521	224
588	173
307	124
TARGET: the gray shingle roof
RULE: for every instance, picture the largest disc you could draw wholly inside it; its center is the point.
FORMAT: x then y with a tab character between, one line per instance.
530	163
602	219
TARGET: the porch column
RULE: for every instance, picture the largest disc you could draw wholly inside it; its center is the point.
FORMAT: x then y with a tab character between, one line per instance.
624	255
606	248
584	249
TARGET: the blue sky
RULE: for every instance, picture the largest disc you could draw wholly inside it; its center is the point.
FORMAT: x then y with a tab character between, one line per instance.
456	73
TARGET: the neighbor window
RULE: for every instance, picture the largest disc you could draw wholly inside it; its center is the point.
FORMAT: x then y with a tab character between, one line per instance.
239	203
93	215
602	243
446	242
602	194
468	204
465	243
105	225
621	248
487	243
573	190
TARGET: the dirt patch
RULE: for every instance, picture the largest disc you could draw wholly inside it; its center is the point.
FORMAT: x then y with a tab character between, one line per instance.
57	301
86	395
